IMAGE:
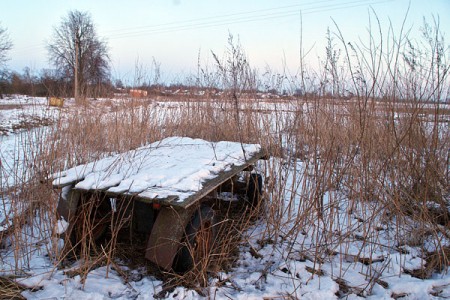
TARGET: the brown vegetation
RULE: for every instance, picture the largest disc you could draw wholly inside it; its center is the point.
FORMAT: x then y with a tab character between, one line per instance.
386	147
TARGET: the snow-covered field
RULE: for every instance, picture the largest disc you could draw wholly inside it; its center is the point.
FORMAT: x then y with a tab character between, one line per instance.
281	257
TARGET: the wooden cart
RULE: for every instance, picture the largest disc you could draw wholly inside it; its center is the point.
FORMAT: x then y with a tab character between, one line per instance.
162	188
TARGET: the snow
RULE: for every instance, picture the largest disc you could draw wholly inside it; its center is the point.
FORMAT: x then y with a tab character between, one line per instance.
62	226
175	166
22	112
285	265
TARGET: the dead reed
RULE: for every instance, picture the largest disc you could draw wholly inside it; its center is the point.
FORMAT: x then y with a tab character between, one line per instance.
367	151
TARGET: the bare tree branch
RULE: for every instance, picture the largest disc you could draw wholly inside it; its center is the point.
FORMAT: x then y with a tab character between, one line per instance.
78	31
5	45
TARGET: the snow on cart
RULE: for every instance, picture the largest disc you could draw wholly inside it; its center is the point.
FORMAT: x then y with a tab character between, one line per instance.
165	191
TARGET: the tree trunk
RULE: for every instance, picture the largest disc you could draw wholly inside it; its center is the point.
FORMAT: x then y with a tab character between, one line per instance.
76	83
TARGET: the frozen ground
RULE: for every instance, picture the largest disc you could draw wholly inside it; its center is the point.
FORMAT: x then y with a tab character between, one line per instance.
268	267
22	112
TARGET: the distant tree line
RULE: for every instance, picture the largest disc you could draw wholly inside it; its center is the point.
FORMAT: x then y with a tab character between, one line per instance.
49	82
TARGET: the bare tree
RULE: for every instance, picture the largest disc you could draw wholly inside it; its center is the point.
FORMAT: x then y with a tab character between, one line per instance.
77	52
5	46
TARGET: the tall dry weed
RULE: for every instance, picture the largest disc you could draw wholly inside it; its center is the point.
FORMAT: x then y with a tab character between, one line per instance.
370	130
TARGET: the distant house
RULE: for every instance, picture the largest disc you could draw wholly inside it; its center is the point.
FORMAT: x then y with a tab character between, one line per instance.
138	93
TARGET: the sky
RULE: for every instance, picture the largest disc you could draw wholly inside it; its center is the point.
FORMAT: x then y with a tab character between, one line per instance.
177	34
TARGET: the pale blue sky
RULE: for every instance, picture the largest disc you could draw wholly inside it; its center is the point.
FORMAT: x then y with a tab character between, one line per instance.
173	31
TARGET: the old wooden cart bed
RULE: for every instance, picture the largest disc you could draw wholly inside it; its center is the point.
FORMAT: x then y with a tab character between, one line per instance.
167	181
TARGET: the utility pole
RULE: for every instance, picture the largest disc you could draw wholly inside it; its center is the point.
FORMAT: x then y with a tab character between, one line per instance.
76	86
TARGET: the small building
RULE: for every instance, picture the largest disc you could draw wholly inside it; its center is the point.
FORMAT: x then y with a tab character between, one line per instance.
138	93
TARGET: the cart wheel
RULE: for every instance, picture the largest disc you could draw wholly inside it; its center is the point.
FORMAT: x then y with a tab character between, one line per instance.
199	239
97	226
254	190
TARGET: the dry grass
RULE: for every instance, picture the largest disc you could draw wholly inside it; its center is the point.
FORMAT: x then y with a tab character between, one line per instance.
10	289
386	148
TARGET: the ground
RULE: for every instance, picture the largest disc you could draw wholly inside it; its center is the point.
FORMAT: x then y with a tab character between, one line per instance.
281	255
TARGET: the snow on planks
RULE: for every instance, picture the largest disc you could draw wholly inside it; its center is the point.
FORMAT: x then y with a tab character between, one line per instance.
176	171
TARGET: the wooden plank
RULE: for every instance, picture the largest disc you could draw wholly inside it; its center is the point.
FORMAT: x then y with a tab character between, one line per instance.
172	200
132	196
67	207
212	184
73	182
163	201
